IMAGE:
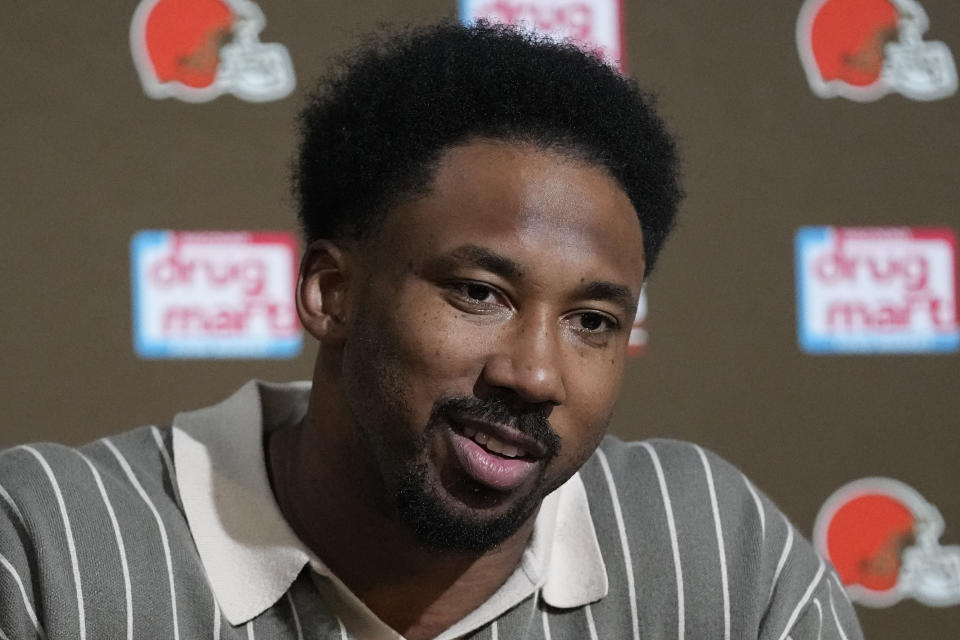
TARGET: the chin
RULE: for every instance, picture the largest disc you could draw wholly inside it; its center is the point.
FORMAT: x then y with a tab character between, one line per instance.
462	516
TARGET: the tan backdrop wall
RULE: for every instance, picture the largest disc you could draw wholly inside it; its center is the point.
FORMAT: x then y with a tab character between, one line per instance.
87	160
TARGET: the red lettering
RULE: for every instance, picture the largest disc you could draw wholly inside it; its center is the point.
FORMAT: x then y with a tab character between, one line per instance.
574	20
282	319
183	320
942	314
279	320
175	269
830	267
847	315
916	272
201	322
892	317
913	270
169	270
916	310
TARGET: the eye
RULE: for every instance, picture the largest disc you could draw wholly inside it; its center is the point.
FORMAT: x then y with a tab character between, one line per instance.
593	322
478	292
476	297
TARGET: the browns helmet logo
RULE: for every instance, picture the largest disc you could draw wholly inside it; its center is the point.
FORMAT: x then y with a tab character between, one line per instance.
864	49
196	50
883	539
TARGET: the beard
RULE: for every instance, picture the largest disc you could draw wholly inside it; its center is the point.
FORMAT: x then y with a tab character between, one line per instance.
475	526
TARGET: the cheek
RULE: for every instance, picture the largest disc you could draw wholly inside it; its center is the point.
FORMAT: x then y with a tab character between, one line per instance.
411	354
590	400
438	341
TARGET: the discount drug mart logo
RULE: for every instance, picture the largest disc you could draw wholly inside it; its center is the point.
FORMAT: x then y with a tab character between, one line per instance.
877	290
593	25
214	295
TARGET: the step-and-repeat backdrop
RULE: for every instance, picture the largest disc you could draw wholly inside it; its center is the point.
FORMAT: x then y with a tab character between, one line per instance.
803	322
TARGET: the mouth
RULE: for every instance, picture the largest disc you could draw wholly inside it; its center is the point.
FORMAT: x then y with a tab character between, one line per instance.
494	455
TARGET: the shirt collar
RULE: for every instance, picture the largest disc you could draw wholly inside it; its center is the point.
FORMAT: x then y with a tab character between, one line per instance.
252	556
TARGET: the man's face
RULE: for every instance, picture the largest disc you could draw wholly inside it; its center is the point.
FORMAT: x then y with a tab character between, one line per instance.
488	324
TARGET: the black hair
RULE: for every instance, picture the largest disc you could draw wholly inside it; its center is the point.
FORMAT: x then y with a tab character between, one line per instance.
373	130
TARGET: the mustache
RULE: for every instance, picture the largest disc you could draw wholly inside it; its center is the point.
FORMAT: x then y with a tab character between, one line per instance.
530	421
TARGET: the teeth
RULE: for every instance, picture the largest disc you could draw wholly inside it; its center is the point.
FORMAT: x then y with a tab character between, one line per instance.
508	450
492	444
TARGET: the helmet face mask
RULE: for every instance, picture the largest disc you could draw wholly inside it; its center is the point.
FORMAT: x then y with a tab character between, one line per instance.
256	72
883	538
934	578
920	70
864	49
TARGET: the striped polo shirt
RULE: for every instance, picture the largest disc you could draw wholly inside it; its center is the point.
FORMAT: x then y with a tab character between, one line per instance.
174	533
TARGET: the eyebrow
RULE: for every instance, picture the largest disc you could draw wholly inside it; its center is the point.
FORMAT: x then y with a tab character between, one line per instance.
482	258
617	294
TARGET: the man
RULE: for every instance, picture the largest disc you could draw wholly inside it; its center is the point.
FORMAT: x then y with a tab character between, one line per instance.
481	209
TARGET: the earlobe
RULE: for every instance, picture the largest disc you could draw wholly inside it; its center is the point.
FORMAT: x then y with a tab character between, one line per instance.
321	291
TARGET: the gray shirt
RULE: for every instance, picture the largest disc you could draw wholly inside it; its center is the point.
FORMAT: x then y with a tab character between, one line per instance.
119	539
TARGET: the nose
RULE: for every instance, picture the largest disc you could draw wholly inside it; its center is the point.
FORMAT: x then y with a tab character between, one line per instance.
528	363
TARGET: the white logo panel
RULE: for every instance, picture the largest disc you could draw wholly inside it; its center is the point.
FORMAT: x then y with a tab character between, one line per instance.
214	294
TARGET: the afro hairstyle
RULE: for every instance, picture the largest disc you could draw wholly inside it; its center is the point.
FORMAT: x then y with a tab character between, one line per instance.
373	130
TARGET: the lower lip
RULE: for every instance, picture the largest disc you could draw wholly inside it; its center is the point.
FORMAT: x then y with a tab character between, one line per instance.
488	468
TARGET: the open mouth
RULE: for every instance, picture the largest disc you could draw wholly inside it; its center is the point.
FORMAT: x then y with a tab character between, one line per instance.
492	444
490	459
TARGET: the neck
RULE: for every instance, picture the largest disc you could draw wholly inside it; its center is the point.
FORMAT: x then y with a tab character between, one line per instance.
317	474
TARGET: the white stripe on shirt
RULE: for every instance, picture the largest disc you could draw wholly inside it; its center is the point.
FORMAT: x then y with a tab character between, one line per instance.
803	601
494	631
590	624
674	545
124	567
23	592
783	556
68	532
296	617
546	627
720	546
250	635
343	630
756	501
618	513
833	609
216	619
163	530
840	586
816	603
533	610
6	497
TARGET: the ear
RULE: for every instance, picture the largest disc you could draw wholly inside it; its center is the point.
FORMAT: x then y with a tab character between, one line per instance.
321	291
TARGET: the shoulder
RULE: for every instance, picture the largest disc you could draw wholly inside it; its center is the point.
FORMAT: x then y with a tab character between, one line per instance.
697	527
46	487
688	476
85	522
686	494
661	452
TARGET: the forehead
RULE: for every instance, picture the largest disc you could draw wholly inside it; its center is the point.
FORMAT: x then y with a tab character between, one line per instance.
536	204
